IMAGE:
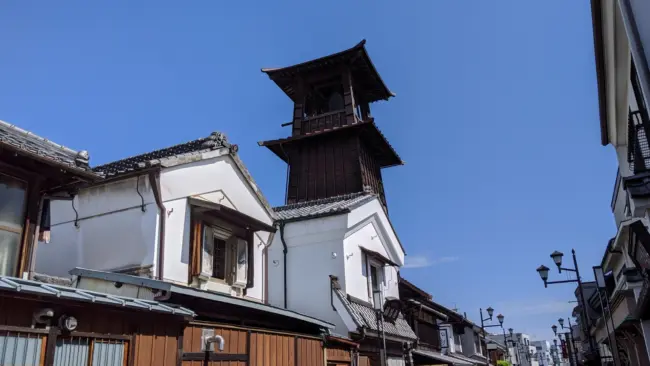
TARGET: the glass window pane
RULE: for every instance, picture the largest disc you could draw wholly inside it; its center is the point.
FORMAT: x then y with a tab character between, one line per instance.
219	265
12	204
12	217
9	247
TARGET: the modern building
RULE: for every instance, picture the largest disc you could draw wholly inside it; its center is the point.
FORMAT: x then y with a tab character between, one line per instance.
621	31
521	350
543	352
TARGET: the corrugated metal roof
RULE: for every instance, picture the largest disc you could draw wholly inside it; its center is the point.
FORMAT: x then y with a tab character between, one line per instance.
366	317
14	284
465	358
197	293
440	357
322	207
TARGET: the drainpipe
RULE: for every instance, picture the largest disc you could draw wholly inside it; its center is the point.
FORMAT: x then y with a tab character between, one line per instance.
154	180
284	253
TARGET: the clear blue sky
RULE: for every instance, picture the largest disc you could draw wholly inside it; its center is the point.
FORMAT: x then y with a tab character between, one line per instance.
495	115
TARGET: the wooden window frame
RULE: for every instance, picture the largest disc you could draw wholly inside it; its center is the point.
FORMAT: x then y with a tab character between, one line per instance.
373	262
94	338
199	223
26	228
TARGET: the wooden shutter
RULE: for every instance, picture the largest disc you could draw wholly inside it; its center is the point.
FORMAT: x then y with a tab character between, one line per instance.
207	252
196	238
251	259
241	264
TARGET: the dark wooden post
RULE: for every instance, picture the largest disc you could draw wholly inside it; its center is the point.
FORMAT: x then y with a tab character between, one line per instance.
348	96
299	107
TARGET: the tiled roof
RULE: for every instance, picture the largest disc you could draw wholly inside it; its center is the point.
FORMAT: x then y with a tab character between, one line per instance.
24	141
216	140
322	207
366	317
14	284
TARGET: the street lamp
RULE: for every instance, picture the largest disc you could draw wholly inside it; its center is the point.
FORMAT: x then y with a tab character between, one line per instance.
490	312
556	256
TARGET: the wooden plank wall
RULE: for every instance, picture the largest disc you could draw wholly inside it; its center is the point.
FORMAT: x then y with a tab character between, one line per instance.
310	352
338	355
152	338
156	344
265	349
364	361
324	168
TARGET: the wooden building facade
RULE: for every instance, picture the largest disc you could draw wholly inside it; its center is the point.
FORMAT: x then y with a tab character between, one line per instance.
335	147
253	333
33	171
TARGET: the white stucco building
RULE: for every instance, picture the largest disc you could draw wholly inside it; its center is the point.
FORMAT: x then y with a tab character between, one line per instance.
336	255
187	214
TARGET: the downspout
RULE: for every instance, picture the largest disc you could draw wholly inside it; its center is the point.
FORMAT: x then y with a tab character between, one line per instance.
265	255
284	253
154	180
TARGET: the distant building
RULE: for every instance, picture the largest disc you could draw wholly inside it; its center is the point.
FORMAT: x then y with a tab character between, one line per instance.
543	352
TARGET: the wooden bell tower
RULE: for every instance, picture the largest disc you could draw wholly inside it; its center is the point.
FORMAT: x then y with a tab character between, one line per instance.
334	148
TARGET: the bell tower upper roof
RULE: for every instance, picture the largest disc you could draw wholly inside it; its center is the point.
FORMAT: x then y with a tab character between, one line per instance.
369	84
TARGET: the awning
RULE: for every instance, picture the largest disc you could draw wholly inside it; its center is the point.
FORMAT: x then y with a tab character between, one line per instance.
439	357
380	257
465	359
21	286
438	314
229	214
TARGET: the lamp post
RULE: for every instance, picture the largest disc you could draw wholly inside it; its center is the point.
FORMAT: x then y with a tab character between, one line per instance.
543	273
515	346
556	357
490	312
567	339
389	309
505	342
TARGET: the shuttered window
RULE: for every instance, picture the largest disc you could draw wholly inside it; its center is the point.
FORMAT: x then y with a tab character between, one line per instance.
18	348
82	351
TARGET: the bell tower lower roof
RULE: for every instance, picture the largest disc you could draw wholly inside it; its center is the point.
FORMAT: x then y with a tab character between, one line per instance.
370	134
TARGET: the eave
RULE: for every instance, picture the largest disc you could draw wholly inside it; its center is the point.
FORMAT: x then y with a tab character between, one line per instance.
599	53
356	56
368	130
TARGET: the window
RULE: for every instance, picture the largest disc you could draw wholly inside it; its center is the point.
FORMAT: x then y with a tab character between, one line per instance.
12	218
375	280
224	256
458	343
19	348
77	351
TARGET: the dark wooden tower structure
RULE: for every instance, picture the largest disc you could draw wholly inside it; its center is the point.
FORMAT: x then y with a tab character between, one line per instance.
335	148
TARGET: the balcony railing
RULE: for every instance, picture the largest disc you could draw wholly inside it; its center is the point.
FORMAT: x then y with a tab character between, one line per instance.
323	121
641	258
638	154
